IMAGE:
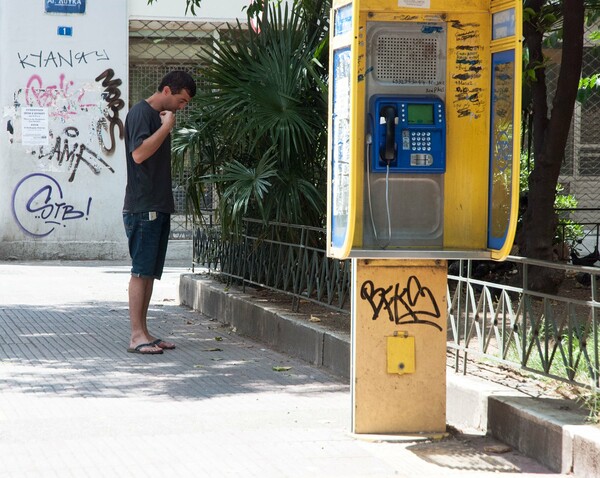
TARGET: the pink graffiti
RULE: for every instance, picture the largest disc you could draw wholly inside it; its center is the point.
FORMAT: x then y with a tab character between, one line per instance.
62	99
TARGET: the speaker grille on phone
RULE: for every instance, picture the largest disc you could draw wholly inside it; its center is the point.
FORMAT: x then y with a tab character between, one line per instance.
405	59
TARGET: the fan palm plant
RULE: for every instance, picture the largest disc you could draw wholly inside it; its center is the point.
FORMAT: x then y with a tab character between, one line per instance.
258	129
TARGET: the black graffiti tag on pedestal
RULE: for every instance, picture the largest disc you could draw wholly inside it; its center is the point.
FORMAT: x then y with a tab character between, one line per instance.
403	306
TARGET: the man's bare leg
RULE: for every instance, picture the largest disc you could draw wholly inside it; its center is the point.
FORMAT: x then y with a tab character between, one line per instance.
147	296
140	292
163	344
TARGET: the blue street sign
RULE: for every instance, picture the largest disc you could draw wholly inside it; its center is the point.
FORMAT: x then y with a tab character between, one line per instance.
65	31
65	6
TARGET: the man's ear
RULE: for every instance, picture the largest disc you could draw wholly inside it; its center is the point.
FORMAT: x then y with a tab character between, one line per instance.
167	90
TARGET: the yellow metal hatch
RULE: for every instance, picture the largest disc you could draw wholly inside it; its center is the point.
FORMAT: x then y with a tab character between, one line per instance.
400	353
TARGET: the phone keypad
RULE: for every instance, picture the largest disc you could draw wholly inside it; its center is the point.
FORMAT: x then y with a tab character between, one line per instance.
420	140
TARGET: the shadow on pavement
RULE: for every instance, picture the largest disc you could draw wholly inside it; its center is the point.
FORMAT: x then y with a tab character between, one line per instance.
80	350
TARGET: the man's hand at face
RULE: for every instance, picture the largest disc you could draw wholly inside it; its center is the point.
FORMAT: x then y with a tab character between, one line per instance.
167	118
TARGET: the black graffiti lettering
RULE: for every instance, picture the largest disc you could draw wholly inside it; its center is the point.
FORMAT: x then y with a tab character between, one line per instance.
461	26
413	294
465	112
23	61
90	158
101	55
463	76
50	58
60	153
71	131
469	47
468	35
39	57
369	293
112	96
406	306
467	94
81	57
73	157
59	59
62	59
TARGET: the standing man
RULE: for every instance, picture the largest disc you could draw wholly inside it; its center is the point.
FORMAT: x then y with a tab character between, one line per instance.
149	198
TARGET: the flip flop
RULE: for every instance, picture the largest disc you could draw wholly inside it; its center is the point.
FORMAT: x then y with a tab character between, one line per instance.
165	346
138	349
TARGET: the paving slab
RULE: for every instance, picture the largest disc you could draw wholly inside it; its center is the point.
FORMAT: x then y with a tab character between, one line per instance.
73	402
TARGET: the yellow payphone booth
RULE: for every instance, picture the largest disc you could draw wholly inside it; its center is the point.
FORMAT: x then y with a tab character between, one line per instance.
423	167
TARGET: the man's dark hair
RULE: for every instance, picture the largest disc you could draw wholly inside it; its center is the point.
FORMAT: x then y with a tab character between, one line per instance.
178	80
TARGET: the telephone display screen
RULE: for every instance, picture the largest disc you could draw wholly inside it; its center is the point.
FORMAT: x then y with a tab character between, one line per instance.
420	114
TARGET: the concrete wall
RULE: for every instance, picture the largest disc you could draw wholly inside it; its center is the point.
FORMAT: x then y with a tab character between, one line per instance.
64	99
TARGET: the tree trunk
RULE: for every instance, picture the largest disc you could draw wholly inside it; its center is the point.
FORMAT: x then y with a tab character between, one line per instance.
550	140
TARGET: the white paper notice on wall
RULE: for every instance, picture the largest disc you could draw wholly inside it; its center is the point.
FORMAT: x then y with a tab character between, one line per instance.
34	126
414	3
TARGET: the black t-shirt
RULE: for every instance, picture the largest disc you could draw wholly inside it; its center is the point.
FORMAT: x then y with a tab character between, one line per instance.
149	183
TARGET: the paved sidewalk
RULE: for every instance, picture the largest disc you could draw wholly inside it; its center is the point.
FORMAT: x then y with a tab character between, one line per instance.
74	403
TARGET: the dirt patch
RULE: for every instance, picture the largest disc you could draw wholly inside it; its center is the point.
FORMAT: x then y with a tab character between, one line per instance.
303	309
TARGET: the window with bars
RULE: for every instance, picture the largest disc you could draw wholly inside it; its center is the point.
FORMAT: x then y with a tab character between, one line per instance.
581	165
155	48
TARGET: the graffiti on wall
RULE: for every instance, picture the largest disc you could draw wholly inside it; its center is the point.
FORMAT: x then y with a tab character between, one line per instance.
61	98
468	99
39	206
84	127
411	304
64	102
114	104
60	59
62	153
68	104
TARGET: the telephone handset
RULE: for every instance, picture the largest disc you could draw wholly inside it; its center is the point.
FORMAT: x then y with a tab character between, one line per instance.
389	151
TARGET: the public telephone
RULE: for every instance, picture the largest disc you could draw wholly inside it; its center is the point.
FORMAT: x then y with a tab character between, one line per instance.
424	138
405	135
410	134
423	167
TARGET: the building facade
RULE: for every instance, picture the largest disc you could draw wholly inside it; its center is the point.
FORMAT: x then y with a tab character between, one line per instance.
69	70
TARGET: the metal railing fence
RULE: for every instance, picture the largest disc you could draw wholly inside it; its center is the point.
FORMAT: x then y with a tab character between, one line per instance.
589	240
266	257
555	336
492	315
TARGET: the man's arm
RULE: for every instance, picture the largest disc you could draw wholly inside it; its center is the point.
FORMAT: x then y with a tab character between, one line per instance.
151	144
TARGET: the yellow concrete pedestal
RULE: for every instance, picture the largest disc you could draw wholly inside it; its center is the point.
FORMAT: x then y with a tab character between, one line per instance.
399	346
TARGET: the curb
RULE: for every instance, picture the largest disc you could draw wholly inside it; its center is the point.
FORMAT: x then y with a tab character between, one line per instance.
551	431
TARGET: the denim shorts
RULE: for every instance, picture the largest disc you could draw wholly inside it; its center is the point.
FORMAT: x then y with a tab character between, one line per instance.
148	235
